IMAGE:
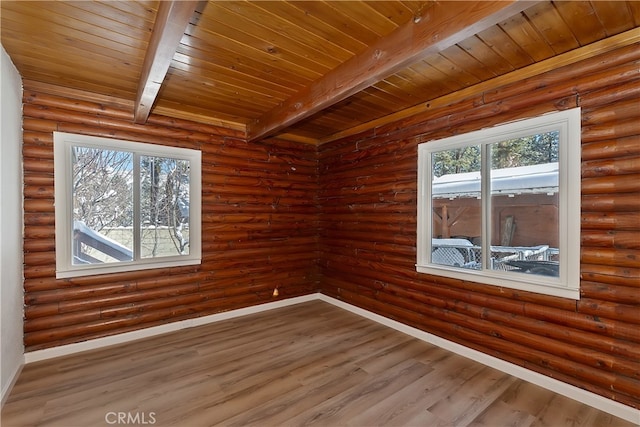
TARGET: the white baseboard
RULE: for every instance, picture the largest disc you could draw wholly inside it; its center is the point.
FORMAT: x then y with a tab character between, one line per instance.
6	390
607	405
49	353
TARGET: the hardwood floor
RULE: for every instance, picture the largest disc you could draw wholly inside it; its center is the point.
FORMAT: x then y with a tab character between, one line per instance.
307	364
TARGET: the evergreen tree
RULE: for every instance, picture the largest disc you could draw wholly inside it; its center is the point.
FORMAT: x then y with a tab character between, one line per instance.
526	151
457	160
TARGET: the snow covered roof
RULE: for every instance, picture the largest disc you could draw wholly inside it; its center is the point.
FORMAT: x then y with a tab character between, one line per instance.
541	178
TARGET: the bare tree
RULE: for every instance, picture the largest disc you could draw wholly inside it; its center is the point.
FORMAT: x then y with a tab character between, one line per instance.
102	188
103	196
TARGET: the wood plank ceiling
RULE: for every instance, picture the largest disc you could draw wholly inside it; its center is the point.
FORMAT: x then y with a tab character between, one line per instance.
310	71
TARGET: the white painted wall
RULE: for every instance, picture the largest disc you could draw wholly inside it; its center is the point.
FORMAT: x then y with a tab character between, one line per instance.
11	225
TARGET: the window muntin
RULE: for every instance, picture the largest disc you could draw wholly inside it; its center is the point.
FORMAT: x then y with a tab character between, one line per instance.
501	205
123	206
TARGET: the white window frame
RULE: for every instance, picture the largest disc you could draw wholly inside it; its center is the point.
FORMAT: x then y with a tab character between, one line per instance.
63	144
568	283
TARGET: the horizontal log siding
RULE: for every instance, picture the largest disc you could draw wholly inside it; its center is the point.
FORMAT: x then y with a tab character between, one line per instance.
259	226
368	232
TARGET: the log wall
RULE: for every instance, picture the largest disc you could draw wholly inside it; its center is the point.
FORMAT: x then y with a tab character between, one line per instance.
259	225
342	219
368	232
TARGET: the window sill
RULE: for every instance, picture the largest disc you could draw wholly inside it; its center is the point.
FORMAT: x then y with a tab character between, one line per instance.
519	281
92	270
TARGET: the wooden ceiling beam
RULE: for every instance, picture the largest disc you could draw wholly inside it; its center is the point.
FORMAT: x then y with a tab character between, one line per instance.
441	25
600	47
171	21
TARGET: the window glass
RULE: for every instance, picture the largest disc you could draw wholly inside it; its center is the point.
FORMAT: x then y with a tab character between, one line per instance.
525	230
102	205
501	205
164	206
123	205
456	228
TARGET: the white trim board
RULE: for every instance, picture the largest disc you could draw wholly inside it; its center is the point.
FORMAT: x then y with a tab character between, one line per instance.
607	405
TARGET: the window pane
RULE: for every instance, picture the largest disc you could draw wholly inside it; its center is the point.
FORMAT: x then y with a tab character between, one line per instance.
456	206
524	205
102	206
164	207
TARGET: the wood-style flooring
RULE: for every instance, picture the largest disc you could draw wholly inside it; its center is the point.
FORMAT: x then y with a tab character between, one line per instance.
307	364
